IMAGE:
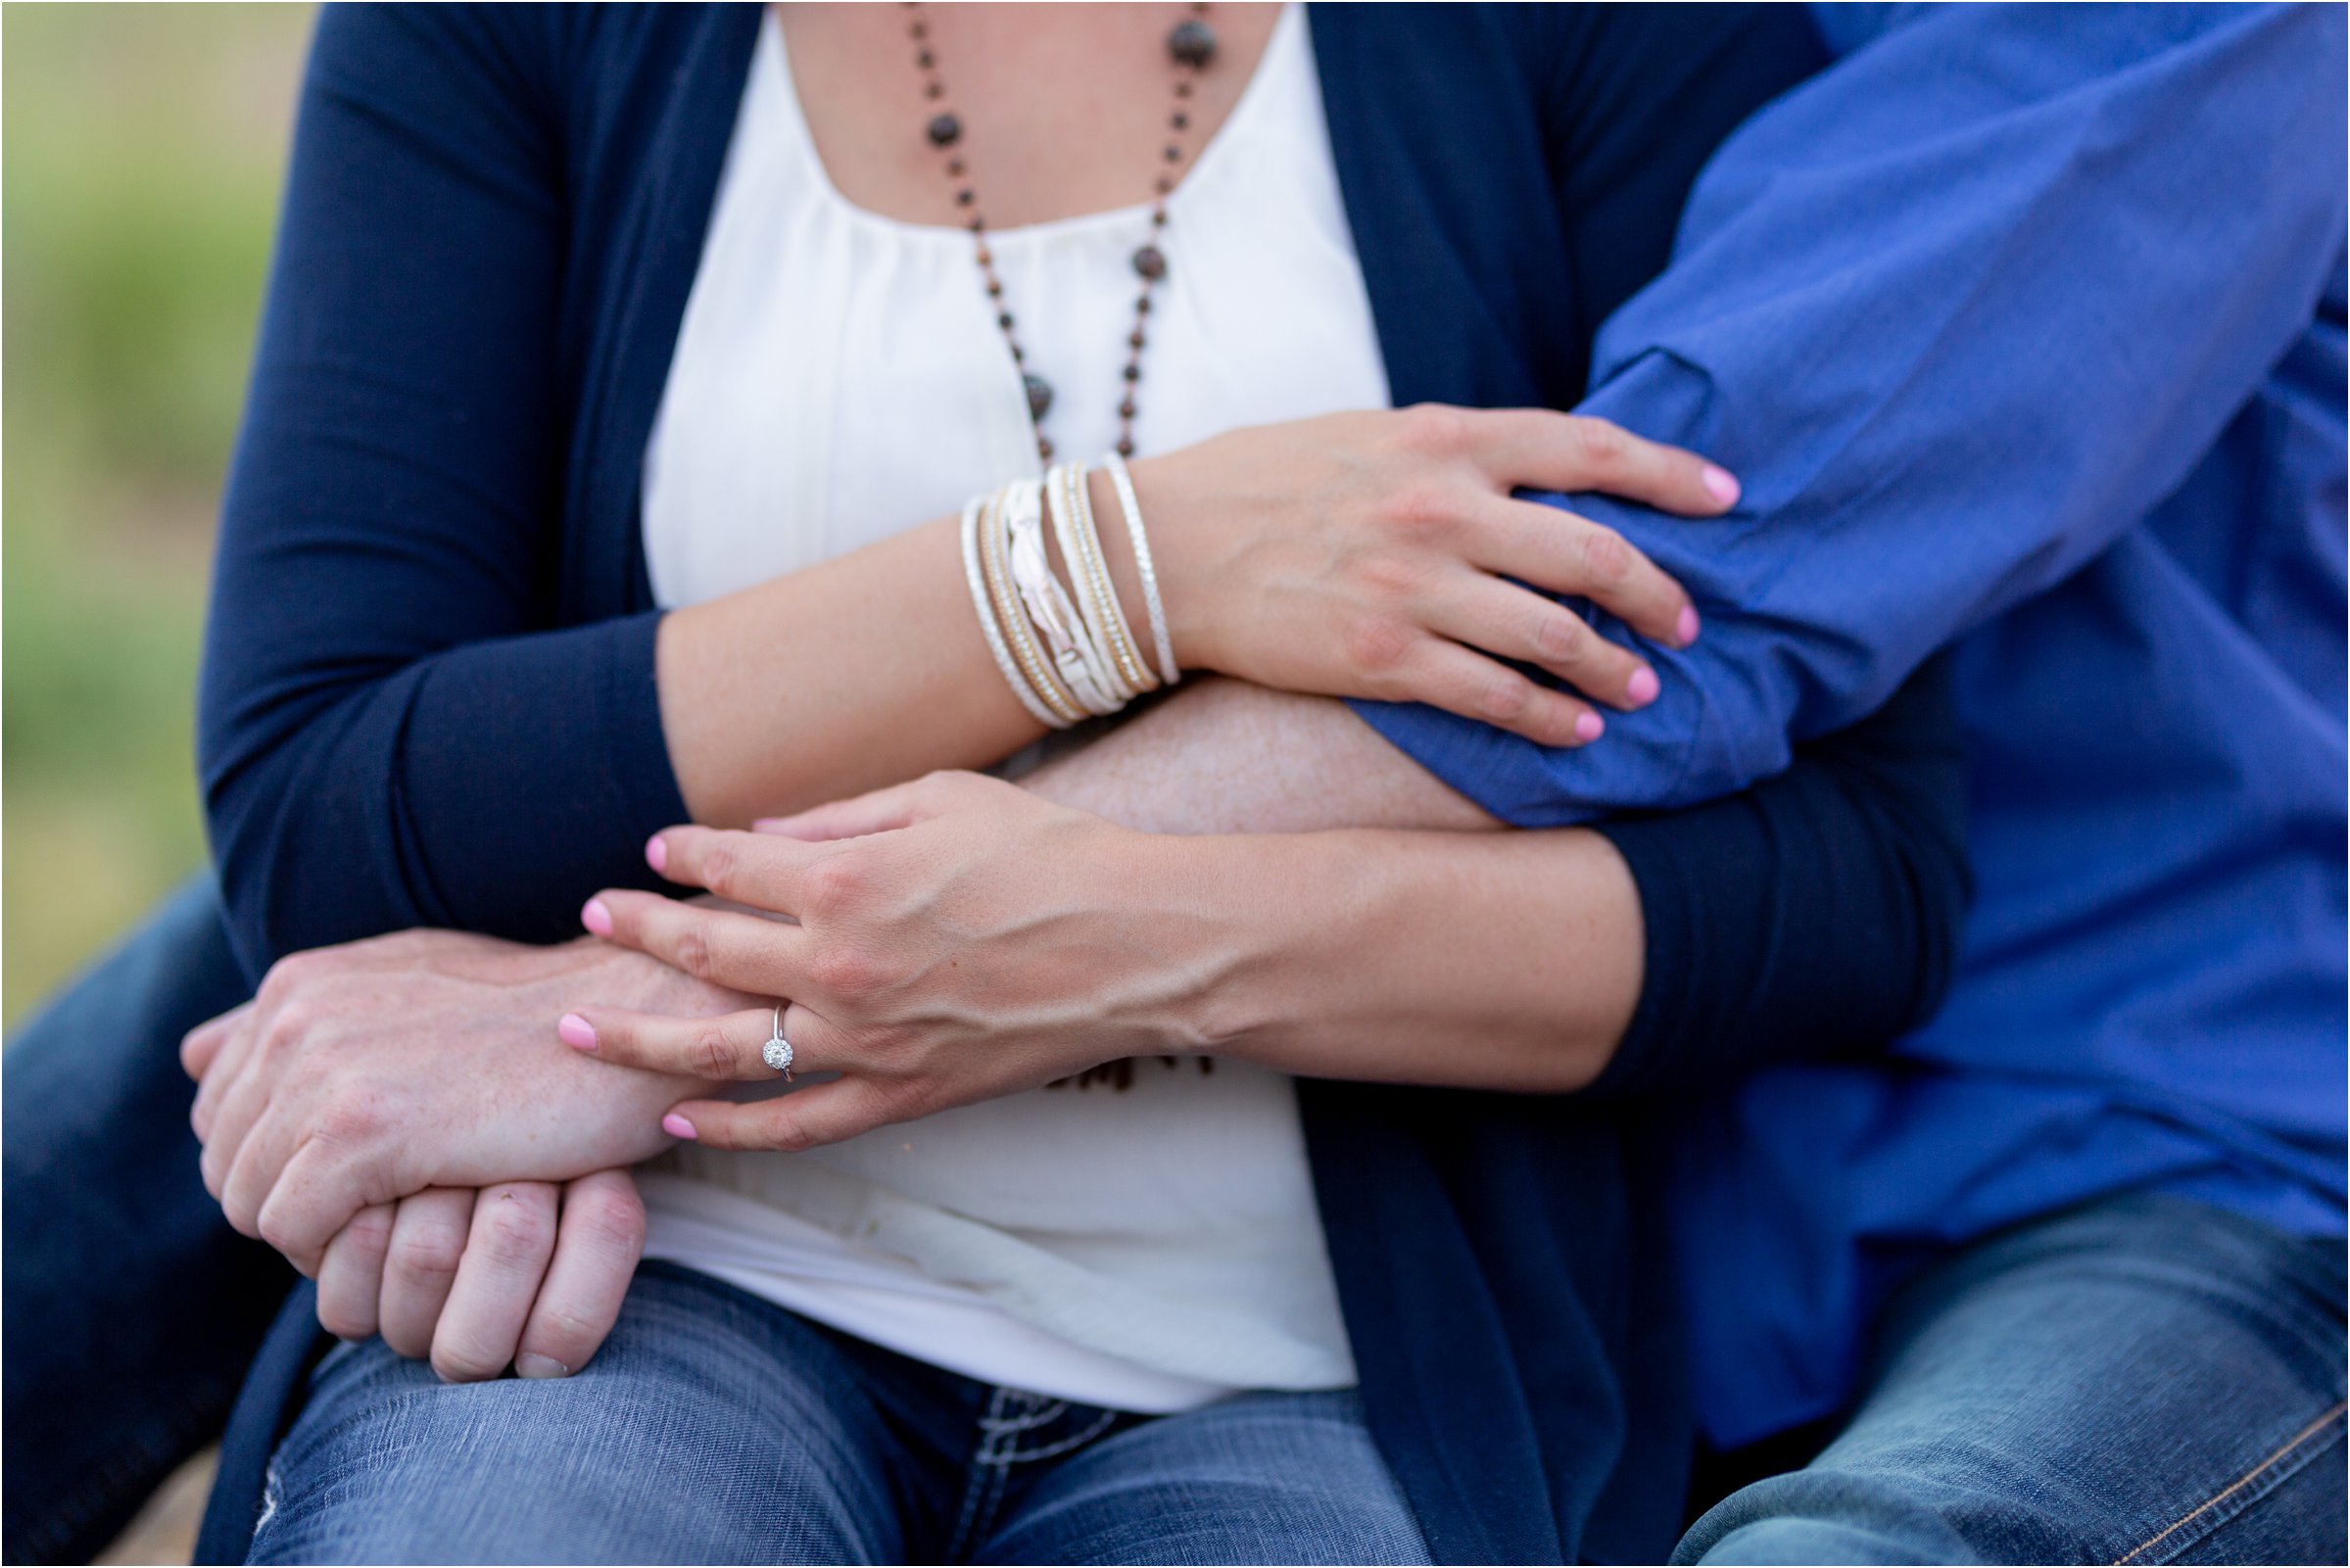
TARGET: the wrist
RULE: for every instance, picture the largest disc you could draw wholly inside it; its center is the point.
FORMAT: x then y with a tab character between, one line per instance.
1158	496
1277	897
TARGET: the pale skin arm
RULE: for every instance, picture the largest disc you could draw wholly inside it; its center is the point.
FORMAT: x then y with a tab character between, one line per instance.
959	940
1518	957
1360	555
1374	953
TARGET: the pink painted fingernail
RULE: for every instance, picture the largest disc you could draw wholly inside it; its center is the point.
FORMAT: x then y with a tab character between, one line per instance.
1686	629
1589	728
1720	484
656	853
678	1126
1642	689
532	1365
575	1031
596	917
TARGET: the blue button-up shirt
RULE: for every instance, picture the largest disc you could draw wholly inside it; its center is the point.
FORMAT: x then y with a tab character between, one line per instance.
2024	330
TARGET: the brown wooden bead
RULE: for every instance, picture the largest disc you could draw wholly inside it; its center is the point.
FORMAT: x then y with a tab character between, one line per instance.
1004	321
1132	372
965	196
1135	339
1181	120
1192	43
954	166
1163	184
1175	155
1126	446
1044	448
1125	409
1151	262
925	60
945	130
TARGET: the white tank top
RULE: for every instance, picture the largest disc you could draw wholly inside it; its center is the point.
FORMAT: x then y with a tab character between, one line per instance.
839	377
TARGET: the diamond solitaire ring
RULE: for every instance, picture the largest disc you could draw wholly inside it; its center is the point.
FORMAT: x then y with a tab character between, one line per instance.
777	1052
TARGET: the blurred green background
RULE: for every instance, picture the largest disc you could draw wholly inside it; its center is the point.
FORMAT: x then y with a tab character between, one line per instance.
142	148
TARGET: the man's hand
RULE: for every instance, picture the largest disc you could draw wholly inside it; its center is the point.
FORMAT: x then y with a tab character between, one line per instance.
366	1073
524	1274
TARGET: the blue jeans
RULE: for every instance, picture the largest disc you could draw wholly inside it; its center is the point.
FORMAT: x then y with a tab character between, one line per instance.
716	1427
132	1307
2142	1381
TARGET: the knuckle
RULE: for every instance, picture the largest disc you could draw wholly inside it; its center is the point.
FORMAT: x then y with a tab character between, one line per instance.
1391	579
834	884
721	870
1560	638
712	1054
514	1231
1600	444
694	954
269	1227
614	1220
844	971
1422	509
289	1025
791	1135
1434	429
426	1253
1504	697
369	1234
1377	645
1606	560
348	1120
287	975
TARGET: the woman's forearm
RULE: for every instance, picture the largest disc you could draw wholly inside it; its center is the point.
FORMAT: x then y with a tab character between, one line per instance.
1490	961
857	672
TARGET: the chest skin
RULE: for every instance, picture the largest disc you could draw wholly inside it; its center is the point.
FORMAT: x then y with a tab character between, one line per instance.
1064	108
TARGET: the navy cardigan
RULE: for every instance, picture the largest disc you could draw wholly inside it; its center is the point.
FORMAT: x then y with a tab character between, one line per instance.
428	695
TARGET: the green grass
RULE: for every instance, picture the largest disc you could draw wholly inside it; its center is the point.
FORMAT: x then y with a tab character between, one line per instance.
142	150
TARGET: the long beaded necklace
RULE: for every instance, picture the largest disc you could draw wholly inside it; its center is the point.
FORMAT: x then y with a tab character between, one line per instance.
1190	46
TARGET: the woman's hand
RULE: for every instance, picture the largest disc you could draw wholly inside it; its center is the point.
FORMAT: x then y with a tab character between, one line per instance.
958	940
360	1074
1369	555
525	1273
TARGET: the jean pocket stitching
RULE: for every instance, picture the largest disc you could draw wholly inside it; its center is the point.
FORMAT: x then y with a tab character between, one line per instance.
2274	1467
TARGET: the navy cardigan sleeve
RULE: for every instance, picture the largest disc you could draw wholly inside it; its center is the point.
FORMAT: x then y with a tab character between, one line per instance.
1816	914
392	732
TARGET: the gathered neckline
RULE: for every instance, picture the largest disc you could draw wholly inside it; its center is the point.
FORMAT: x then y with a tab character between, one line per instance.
776	54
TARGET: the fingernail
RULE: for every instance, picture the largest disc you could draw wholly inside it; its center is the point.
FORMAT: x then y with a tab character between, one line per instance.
677	1126
1589	728
1720	484
531	1364
1642	689
596	917
656	853
575	1031
1686	629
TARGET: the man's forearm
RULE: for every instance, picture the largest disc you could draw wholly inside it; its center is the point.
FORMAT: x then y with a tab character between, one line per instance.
1421	946
1225	757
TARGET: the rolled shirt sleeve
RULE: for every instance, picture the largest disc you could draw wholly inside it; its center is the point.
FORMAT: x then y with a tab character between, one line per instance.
1959	312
